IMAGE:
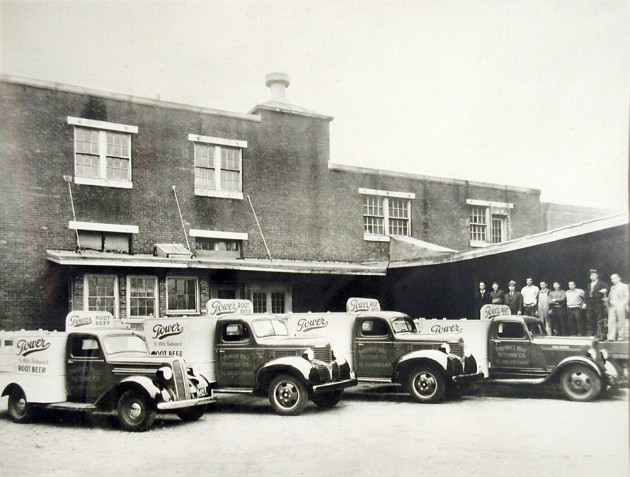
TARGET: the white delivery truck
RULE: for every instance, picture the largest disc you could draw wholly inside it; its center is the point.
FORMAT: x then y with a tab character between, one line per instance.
384	347
98	366
242	352
516	349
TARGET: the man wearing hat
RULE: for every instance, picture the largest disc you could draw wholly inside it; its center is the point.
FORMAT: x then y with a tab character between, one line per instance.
514	299
596	294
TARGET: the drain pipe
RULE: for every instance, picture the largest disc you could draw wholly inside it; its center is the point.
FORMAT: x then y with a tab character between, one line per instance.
68	179
259	228
182	220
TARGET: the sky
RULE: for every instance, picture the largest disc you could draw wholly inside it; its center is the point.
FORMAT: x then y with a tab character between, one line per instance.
524	93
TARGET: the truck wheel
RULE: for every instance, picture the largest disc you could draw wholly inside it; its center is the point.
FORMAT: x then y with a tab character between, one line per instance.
287	395
191	413
135	412
327	400
426	385
580	383
19	409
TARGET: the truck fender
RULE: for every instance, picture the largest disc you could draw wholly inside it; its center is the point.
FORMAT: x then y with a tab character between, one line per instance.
291	364
110	398
435	357
574	360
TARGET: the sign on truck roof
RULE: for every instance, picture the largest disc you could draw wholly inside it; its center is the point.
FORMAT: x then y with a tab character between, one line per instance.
218	307
355	305
490	311
92	320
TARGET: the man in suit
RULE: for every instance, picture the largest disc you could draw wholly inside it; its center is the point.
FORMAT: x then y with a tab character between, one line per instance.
514	299
617	308
596	293
482	297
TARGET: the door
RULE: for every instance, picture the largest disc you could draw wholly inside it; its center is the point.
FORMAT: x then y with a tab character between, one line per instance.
236	355
510	350
374	348
87	373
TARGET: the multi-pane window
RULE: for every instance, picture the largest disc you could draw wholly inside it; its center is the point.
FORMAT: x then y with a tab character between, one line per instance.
277	302
104	155
218	166
101	293
217	245
104	241
478	224
384	215
142	292
270	299
488	222
259	300
182	295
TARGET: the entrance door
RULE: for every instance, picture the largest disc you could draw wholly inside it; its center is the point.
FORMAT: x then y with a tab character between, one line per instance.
87	375
374	349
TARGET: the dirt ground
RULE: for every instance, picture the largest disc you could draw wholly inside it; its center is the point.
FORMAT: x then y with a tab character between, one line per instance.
370	433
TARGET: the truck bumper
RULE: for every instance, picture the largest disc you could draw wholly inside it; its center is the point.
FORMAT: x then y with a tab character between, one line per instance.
170	405
334	386
467	378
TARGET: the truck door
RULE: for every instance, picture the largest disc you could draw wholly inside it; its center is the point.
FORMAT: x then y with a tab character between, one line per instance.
374	348
86	370
236	360
510	350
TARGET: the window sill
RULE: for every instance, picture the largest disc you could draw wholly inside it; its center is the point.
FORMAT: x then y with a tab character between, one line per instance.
375	238
183	313
220	194
103	183
475	243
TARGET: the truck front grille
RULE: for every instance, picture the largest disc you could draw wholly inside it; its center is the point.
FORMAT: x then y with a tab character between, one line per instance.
322	372
181	380
323	354
457	349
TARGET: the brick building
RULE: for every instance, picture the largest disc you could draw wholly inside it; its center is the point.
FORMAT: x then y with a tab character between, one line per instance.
149	208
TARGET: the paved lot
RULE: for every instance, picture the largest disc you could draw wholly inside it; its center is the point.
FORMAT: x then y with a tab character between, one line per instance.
371	432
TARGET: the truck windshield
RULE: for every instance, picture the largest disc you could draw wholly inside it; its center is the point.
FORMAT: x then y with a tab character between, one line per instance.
125	344
264	328
403	325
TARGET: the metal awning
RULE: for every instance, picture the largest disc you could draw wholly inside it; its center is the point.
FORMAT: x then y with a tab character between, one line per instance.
105	259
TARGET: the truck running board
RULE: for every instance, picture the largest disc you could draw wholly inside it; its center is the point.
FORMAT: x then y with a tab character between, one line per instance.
72	406
375	380
232	391
519	381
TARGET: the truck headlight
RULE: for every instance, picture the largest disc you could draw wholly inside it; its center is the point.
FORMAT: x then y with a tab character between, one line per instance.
592	354
446	348
604	354
308	354
165	372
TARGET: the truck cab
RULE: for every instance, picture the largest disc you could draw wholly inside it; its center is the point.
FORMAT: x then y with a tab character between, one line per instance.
100	367
384	347
242	352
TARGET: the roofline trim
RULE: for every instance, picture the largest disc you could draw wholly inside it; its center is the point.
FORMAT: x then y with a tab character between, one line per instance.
126	97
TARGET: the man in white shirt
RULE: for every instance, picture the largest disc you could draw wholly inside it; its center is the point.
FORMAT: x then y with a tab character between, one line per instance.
530	297
617	308
575	316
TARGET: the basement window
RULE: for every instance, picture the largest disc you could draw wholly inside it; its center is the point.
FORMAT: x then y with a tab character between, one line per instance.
104	237
218	244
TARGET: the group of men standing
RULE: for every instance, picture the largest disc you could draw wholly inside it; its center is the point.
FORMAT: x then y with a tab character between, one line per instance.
565	313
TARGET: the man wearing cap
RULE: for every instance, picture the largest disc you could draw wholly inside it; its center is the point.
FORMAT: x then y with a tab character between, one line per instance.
514	299
596	293
530	297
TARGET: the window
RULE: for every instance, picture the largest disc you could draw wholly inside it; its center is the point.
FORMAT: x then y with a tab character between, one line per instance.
102	153
217	244
374	328
511	330
142	299
104	237
182	295
386	213
218	166
101	293
270	299
85	347
235	332
488	222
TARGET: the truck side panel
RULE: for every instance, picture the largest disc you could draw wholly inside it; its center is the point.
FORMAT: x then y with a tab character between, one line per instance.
474	332
191	338
338	328
35	360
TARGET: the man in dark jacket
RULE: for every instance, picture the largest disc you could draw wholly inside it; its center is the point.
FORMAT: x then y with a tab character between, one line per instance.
596	292
514	299
482	297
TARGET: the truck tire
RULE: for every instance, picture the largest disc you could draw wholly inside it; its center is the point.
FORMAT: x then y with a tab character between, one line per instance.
191	413
19	409
135	412
327	400
580	383
287	395
426	384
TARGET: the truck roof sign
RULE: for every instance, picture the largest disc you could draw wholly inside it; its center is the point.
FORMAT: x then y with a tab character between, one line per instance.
217	307
490	311
354	305
92	320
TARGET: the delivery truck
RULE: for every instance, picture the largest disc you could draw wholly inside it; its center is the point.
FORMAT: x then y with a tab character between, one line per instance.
516	349
97	366
238	351
384	347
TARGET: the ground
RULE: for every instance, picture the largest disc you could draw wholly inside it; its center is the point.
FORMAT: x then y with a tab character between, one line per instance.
373	431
